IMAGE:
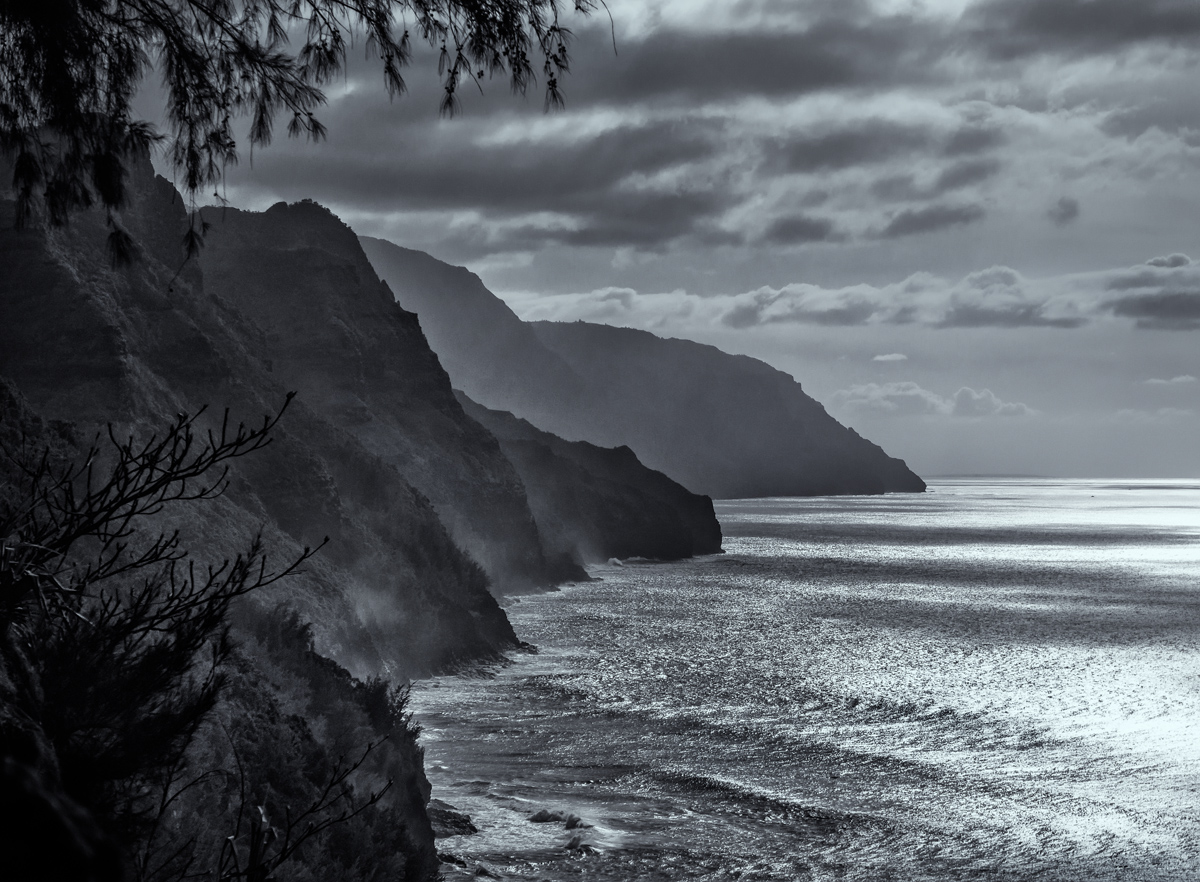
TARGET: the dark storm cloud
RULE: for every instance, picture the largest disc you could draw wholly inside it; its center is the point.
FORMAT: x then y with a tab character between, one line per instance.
1156	274
1010	29
531	176
964	174
841	50
1161	294
794	229
442	167
897	188
1164	311
864	143
1064	211
904	188
648	220
927	220
974	139
1017	315
1180	117
677	182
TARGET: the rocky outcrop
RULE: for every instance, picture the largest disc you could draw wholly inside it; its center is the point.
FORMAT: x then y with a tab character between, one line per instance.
727	425
723	425
595	503
327	326
488	352
89	344
85	346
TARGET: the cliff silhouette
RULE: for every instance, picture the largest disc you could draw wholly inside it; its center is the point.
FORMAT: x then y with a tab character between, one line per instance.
594	503
433	505
727	426
427	519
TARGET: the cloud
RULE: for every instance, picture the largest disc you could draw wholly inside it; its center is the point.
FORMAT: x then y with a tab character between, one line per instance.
1176	115
838	49
998	297
708	128
891	356
898	188
1158	275
1181	380
800	305
910	399
862	143
904	187
1166	311
1170	261
974	139
647	220
1161	294
607	183
912	221
963	174
1064	211
1012	29
794	229
969	403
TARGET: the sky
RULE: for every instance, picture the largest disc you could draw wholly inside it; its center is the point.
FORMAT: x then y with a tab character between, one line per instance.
967	228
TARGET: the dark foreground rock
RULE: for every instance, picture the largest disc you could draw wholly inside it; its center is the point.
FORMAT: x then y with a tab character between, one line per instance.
446	820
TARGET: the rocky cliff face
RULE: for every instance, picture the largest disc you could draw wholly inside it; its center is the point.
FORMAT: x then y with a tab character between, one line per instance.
326	325
723	425
83	344
727	425
90	344
492	355
594	503
416	498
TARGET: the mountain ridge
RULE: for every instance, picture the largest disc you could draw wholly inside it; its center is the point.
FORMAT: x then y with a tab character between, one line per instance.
723	425
597	503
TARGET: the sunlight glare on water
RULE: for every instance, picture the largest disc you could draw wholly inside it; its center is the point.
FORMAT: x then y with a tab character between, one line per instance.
994	680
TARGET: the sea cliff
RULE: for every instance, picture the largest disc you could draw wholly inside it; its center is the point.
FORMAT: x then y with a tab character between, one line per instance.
727	426
595	503
422	516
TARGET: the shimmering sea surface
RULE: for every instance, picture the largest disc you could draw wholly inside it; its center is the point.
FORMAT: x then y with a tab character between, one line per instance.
999	679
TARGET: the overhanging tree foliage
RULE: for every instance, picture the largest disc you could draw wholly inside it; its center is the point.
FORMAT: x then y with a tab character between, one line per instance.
69	70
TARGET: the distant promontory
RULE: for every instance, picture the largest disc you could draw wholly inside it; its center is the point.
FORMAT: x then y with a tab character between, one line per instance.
727	426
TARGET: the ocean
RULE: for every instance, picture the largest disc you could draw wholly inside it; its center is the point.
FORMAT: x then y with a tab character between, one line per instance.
998	679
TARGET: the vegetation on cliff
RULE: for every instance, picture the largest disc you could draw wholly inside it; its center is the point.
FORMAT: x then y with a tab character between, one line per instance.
287	728
267	718
138	737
